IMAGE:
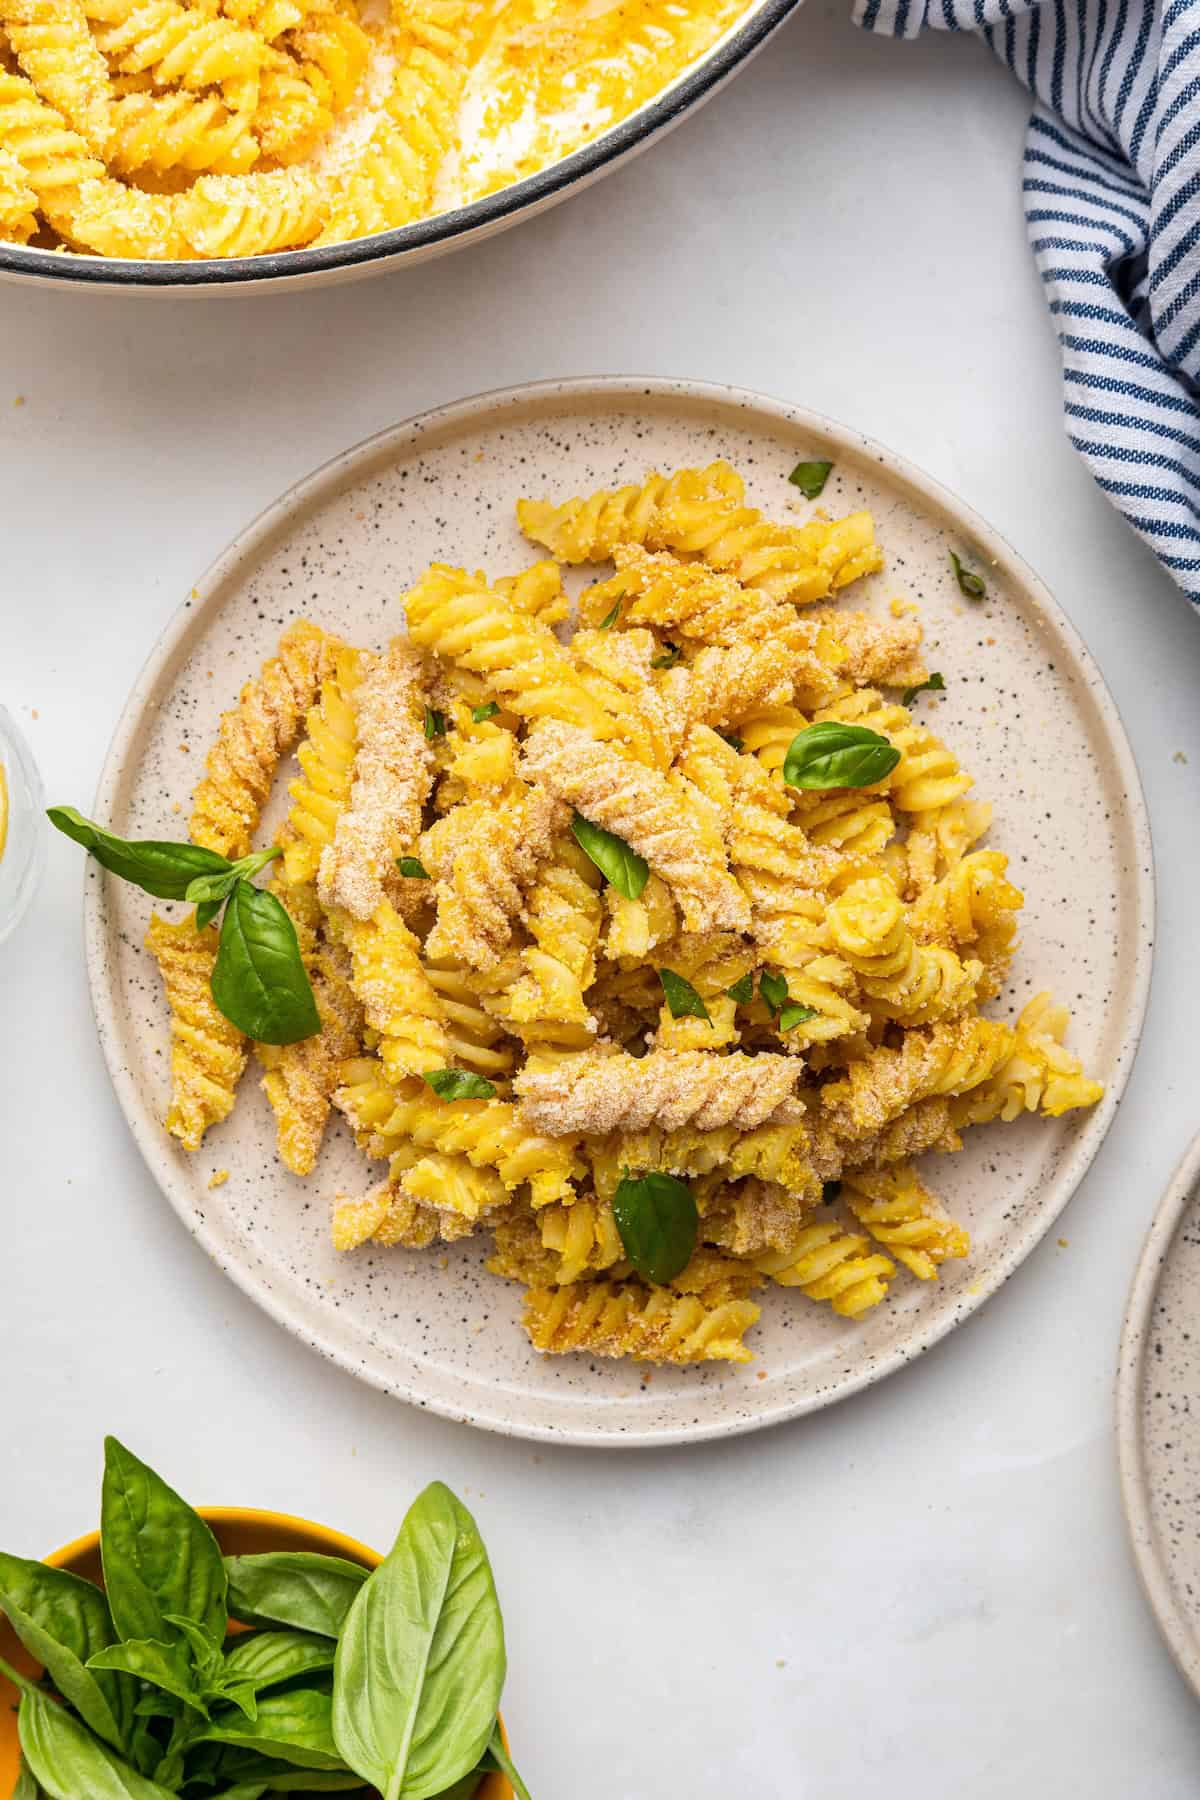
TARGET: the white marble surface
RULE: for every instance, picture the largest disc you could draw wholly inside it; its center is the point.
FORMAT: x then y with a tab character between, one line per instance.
929	1587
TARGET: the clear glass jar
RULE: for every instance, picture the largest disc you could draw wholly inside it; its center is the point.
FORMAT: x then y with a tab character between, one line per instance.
25	838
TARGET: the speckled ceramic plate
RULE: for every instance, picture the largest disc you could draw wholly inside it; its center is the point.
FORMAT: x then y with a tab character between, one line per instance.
1024	706
1158	1415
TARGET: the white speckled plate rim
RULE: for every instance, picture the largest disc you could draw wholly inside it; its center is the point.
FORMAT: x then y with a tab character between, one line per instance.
1177	1627
758	1407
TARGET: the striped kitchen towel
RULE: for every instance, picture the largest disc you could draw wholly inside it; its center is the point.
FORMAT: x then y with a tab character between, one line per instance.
1112	204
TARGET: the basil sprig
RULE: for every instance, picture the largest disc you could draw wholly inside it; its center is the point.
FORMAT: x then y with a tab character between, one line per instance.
621	867
413	867
742	991
683	1001
935	684
794	1014
488	710
657	1218
810	477
610	618
969	583
773	991
458	1084
435	722
259	980
671	654
392	1679
833	755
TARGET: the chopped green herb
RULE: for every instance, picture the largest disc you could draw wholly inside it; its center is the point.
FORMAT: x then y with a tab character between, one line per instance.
487	711
832	755
682	999
458	1084
435	723
732	739
935	685
772	990
810	477
972	585
742	992
622	867
669	657
610	618
413	868
794	1015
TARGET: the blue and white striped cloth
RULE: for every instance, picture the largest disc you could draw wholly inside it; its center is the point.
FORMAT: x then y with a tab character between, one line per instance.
1112	204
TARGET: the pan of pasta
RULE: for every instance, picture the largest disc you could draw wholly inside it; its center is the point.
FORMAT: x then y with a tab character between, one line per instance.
192	144
719	880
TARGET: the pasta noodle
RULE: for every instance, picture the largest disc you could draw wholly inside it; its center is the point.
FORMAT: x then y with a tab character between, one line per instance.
565	936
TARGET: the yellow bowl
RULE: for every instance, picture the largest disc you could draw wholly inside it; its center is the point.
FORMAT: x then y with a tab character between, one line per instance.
240	1531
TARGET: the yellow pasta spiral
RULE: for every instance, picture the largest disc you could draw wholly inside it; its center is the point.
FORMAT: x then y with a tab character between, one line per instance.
589	530
583	1236
902	1215
249	215
828	1263
973	904
326	759
289	118
399	1000
949	1058
193	132
55	49
208	1054
912	982
332	50
251	739
300	1078
179	45
474	1038
563	913
626	1319
1039	1074
54	160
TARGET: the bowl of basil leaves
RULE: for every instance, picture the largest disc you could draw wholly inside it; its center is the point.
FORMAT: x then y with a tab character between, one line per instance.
228	1654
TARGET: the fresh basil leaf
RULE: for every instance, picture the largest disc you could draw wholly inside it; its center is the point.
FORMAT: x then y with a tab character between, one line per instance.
435	723
259	980
420	1662
833	755
292	1726
972	585
683	1002
267	1657
934	685
733	740
243	1695
63	1621
206	912
496	1757
159	1556
70	1763
488	710
413	868
772	991
829	1192
810	477
293	1587
458	1084
742	991
165	870
670	656
622	867
610	618
164	1666
791	1016
658	1222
